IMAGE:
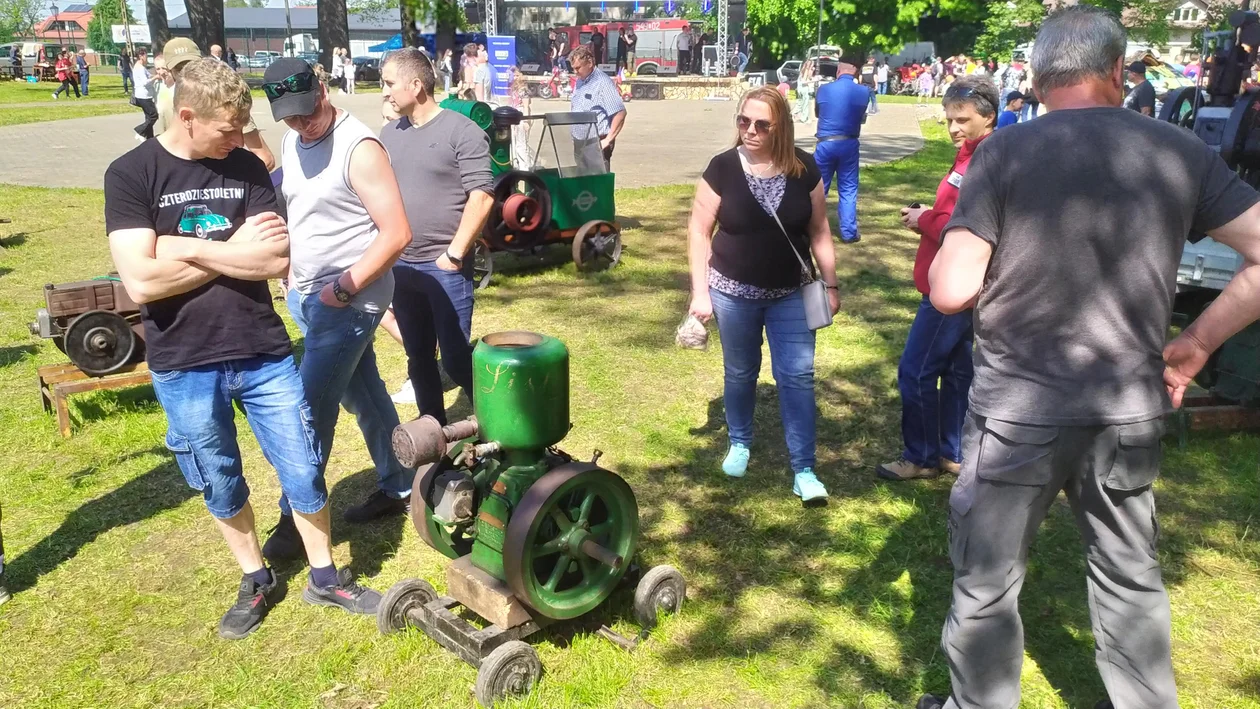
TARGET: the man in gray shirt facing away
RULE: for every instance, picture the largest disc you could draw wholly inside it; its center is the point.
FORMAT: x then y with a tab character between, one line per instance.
1072	276
442	162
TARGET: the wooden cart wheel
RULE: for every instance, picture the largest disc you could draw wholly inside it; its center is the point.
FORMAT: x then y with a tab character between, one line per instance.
597	246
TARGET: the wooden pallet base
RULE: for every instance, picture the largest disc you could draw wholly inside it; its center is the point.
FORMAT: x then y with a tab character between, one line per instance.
1206	412
58	381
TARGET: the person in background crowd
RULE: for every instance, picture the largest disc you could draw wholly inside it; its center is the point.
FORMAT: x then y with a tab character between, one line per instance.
553	52
65	76
938	347
804	109
881	77
16	58
926	85
752	283
563	50
1078	406
347	228
348	72
442	162
868	80
80	60
124	70
623	50
595	91
683	43
1010	114
176	54
1141	97
213	341
841	107
216	52
697	52
1032	106
597	46
234	62
338	71
447	70
1193	67
468	68
142	94
483	83
743	45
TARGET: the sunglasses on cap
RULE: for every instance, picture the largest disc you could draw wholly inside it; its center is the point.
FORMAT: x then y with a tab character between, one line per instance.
743	123
296	84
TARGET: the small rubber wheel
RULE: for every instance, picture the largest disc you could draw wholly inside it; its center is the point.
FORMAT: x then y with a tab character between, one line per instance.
399	600
511	670
661	589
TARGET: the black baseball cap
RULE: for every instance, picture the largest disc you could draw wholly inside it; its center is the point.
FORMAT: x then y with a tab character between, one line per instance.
1013	96
291	103
1138	68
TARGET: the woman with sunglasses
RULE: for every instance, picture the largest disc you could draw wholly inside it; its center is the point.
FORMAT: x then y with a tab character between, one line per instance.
765	198
939	346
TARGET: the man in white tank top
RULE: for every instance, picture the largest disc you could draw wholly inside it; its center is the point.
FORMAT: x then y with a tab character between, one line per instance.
348	226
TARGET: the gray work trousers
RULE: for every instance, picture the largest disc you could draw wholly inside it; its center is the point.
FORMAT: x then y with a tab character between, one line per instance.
1010	476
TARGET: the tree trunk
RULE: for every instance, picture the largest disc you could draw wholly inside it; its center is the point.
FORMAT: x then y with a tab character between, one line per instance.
334	28
444	35
205	18
158	28
410	37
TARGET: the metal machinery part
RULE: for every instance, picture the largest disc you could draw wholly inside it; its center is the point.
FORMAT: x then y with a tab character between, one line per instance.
597	246
557	535
1228	120
483	264
99	342
521	214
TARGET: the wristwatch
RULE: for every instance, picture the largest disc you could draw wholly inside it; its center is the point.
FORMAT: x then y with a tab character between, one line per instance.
457	260
341	294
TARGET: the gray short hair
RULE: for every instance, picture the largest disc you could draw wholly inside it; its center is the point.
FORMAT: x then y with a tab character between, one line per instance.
413	64
979	91
1075	44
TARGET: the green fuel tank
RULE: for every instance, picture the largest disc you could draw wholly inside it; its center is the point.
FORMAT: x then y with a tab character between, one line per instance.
521	390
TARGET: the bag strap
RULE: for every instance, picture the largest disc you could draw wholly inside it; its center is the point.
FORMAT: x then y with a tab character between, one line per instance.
813	275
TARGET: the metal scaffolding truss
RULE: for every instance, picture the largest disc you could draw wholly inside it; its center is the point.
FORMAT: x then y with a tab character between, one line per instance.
492	17
723	30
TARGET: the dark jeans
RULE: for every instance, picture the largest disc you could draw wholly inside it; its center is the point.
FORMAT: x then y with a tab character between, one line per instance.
83	78
128	85
66	85
150	117
434	311
684	61
938	347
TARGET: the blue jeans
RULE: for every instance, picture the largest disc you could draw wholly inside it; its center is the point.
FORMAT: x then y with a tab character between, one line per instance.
743	63
83	82
201	430
740	322
882	88
434	311
938	347
339	369
872	106
840	158
127	83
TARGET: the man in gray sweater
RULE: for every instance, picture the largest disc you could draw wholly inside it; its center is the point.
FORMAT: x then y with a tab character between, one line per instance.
442	162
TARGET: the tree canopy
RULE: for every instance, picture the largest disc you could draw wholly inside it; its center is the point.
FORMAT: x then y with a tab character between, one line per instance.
105	14
17	17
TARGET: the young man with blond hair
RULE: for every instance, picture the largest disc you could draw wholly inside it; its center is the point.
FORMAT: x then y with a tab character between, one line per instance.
194	233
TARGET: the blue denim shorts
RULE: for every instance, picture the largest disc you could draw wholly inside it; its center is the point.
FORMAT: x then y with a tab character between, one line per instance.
201	430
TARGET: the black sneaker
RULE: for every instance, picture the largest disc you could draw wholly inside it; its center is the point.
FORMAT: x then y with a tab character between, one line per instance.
284	544
346	594
377	505
930	701
252	603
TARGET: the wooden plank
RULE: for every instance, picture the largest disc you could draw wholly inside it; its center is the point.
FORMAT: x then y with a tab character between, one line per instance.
70	373
484	595
110	382
59	381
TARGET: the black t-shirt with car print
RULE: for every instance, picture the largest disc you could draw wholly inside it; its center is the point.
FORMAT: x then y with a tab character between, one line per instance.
227	318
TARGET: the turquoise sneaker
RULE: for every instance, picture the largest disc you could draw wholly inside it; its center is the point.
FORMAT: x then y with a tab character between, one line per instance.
736	463
808	487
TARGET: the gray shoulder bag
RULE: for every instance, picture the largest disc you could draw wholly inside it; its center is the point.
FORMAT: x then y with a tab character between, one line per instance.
814	293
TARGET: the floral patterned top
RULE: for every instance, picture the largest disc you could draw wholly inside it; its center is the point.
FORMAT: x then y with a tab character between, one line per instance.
769	194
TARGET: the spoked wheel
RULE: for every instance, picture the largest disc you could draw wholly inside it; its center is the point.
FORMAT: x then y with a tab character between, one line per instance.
570	539
521	214
597	246
399	600
483	264
100	342
661	590
452	544
1180	107
510	670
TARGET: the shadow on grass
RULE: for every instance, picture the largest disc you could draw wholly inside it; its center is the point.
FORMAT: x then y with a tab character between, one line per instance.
372	543
16	239
16	353
160	489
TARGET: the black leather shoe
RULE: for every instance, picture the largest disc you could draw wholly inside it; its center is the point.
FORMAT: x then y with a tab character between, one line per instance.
284	544
377	505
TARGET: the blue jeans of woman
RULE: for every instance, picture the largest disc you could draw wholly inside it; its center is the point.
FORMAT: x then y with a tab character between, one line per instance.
740	323
338	369
937	348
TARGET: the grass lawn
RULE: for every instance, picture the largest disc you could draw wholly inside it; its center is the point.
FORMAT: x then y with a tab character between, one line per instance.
120	576
103	86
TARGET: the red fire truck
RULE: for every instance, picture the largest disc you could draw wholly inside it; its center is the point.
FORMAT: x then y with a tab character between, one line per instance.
656	52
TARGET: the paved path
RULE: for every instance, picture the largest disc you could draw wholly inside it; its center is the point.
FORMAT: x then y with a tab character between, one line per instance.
664	142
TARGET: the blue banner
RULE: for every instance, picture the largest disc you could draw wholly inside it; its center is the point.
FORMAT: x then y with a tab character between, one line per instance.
503	58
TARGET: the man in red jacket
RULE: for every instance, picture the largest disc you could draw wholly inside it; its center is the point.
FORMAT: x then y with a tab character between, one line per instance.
939	346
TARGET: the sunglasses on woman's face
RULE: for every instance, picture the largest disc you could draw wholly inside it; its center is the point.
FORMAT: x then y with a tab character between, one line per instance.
296	84
743	123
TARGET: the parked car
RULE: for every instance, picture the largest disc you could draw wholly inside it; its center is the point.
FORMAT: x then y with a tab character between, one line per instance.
790	71
311	58
263	59
367	69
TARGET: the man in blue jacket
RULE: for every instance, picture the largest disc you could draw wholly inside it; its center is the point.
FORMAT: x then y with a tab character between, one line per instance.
841	110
